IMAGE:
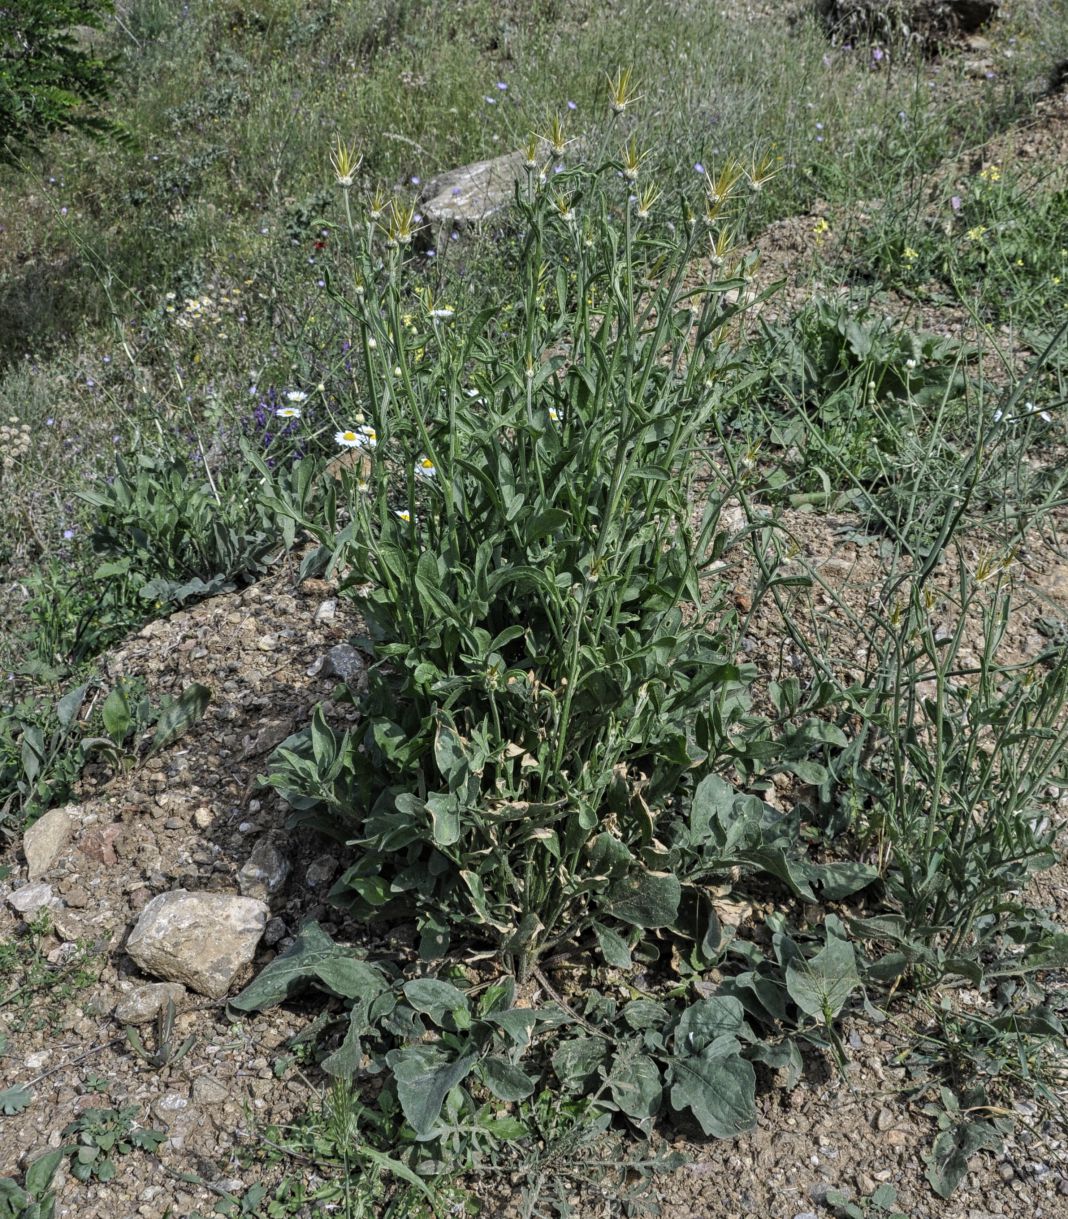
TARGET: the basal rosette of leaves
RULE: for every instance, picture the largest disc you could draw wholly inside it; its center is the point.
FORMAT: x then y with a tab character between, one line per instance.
528	535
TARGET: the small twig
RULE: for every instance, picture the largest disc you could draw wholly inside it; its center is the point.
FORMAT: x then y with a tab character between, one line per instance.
62	1066
567	1006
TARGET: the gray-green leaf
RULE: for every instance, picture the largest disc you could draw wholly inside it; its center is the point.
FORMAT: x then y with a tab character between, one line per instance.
425	1076
180	715
505	1080
435	998
646	899
718	1087
821	985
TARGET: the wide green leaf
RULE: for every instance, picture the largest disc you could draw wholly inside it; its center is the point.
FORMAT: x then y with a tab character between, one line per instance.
505	1080
635	1085
435	998
947	1163
40	1173
577	1062
614	948
69	705
425	1075
116	715
646	899
312	958
821	985
718	1086
14	1100
702	1022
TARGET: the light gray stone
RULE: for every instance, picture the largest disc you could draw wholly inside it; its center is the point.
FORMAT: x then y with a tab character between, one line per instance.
45	839
144	1003
30	899
475	192
208	1091
199	939
264	872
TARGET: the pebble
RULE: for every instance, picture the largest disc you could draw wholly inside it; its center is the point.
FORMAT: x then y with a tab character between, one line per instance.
327	611
344	662
273	932
169	1104
144	1003
267	643
320	872
208	1091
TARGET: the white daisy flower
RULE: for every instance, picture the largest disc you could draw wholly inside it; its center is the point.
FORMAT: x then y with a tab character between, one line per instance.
362	438
425	468
445	312
296	395
288	412
403	514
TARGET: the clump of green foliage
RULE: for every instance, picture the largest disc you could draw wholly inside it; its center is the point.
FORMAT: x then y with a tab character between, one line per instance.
50	79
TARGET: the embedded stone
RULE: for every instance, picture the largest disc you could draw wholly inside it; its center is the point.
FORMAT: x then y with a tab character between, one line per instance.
30	899
45	839
264	872
473	193
344	662
144	1003
199	939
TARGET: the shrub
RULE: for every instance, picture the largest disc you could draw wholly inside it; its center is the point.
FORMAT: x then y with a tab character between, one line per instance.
48	81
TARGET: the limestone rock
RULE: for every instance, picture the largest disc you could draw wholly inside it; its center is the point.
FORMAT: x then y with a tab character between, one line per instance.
208	1091
44	840
474	192
326	612
264	872
144	1003
199	939
30	899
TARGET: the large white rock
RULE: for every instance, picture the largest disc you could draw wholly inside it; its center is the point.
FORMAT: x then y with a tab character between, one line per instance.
44	840
475	192
199	939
